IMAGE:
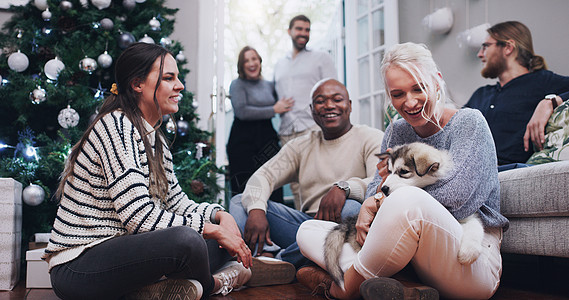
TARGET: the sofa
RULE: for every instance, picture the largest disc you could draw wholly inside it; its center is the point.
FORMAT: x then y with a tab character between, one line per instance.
536	201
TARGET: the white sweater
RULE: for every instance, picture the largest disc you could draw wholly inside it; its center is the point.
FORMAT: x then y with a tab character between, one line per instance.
108	193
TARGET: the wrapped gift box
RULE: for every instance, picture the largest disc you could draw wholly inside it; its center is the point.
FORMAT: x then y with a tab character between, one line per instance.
10	232
37	275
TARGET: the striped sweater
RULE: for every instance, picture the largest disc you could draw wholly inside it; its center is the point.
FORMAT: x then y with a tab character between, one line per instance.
108	193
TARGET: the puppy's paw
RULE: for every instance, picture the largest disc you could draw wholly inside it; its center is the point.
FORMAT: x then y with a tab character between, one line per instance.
468	253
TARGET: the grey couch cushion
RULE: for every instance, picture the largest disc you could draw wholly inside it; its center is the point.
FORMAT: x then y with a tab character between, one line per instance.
537	236
540	190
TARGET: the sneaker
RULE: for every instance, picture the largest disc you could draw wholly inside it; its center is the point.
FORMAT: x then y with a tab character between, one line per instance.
383	288
271	271
233	275
183	289
315	278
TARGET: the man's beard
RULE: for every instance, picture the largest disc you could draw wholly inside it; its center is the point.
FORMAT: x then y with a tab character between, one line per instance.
494	67
297	45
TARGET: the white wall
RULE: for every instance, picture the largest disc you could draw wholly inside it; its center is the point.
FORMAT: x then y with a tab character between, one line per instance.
547	20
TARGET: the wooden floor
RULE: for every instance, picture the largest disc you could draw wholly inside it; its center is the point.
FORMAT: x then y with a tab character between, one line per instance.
280	292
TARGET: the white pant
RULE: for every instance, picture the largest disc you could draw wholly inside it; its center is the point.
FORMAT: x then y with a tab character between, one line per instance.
411	226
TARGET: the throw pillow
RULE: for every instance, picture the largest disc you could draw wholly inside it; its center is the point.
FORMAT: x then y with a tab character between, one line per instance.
556	146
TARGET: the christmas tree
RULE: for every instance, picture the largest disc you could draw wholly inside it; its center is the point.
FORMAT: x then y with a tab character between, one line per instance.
55	70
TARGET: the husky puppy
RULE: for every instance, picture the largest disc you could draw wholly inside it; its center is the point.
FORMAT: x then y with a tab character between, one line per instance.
415	164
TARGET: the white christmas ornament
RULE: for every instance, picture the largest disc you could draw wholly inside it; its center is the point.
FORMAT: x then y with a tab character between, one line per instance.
129	4
180	57
88	65
105	60
147	39
170	126
33	195
38	95
154	24
195	104
52	68
46	15
107	24
140	1
41	4
18	61
101	4
68	117
84	3
65	5
165	42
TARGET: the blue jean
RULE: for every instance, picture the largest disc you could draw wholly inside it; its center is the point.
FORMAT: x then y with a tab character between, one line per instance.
284	223
127	263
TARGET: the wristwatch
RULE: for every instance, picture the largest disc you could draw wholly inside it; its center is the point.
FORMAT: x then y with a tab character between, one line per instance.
553	99
344	186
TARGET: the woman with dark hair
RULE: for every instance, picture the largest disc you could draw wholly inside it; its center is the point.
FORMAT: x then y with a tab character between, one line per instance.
252	140
123	221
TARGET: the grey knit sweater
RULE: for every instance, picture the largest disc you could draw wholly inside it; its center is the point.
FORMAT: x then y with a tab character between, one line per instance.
108	195
473	183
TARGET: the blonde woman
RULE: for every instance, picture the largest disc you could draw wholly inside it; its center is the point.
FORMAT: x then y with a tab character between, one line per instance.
415	226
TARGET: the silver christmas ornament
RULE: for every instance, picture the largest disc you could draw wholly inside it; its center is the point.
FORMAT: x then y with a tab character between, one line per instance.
52	68
154	24
33	195
129	4
183	127
65	5
18	61
170	126
46	15
107	24
146	39
105	60
101	4
195	104
165	42
140	1
180	57
88	65
68	117
38	95
41	4
125	39
84	3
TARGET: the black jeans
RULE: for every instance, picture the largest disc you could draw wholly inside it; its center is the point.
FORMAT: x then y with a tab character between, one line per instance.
126	263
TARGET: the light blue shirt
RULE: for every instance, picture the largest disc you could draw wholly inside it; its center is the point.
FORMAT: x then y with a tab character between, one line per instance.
295	78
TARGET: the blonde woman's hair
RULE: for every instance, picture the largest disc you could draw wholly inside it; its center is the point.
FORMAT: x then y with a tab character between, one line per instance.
418	61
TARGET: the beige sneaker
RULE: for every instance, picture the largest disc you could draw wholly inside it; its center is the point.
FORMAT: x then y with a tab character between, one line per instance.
271	271
233	275
182	289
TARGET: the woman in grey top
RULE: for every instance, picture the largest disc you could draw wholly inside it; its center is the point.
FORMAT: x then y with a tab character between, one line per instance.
252	140
419	226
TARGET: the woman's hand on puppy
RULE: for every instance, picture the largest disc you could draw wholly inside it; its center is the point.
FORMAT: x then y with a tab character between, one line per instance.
365	217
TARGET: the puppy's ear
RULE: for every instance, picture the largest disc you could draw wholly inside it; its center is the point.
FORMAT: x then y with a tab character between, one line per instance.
422	167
